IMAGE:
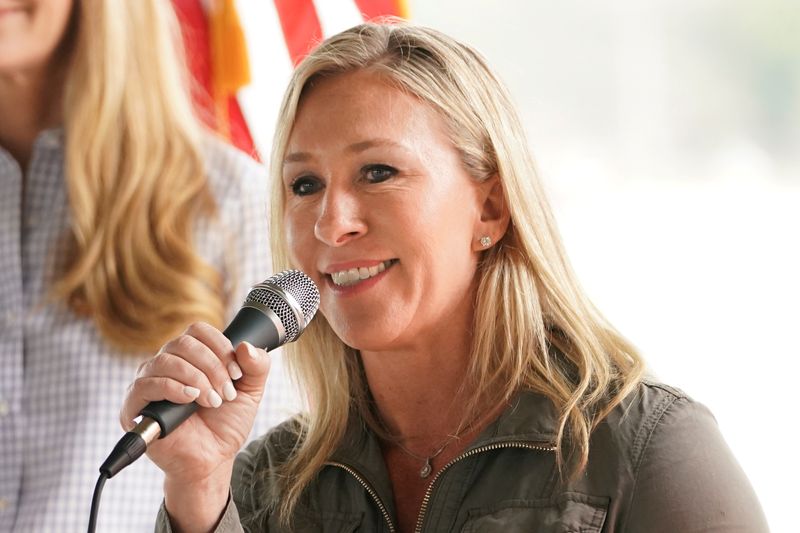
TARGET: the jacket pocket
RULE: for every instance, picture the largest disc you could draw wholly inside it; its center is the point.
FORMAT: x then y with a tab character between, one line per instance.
570	512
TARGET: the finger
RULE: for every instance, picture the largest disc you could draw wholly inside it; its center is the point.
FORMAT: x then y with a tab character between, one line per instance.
255	364
222	347
152	389
172	366
207	349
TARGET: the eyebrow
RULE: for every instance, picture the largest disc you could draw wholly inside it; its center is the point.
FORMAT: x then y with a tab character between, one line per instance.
302	157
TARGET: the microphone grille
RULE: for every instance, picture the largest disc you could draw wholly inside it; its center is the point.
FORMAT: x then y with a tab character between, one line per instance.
298	287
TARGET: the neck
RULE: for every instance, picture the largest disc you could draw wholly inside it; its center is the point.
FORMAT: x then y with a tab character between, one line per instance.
30	101
418	390
417	394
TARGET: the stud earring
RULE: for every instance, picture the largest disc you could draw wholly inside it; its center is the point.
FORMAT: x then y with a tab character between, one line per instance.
486	241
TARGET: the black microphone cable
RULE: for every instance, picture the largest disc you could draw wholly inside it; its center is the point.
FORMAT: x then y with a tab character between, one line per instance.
276	311
98	490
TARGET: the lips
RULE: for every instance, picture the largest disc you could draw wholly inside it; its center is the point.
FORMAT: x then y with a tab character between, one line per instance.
352	276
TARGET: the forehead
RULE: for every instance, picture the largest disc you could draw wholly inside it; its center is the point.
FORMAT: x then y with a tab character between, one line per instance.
356	88
362	104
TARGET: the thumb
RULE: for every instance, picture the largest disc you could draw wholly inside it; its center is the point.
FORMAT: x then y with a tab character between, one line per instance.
255	364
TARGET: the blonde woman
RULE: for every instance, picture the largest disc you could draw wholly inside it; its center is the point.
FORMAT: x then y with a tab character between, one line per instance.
458	378
120	222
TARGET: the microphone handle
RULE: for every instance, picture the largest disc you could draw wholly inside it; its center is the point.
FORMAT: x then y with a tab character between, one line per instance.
251	325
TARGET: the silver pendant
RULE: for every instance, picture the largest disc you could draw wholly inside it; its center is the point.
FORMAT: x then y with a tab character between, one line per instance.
425	471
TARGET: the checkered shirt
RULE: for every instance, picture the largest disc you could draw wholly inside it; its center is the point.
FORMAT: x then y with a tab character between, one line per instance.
61	384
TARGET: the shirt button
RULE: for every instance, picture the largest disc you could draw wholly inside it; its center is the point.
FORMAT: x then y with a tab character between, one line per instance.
3	408
3	504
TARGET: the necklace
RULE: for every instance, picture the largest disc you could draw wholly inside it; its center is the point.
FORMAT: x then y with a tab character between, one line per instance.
426	469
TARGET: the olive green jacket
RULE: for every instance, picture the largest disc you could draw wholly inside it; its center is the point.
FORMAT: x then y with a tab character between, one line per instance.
657	464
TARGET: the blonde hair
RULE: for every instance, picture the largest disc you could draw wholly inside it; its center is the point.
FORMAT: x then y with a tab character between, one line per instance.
135	178
534	328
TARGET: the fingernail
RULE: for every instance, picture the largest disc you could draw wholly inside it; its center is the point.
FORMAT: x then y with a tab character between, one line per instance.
214	399
191	392
229	391
251	351
234	370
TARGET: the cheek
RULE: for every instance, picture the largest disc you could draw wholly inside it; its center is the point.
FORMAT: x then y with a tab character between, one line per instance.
293	243
29	39
299	231
448	225
52	24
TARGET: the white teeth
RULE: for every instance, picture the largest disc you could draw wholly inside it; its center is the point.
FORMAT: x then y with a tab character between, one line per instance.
354	275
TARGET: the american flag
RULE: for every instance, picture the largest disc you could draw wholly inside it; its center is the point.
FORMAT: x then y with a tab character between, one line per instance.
241	55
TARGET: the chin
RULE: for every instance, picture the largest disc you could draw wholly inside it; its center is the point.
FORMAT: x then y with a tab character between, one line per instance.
361	331
358	340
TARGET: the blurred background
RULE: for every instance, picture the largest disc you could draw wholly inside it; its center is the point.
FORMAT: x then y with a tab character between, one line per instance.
668	135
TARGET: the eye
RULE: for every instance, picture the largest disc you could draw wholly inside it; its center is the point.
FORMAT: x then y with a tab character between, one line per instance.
378	173
305	185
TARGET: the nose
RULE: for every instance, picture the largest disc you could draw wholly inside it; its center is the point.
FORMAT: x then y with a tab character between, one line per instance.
340	219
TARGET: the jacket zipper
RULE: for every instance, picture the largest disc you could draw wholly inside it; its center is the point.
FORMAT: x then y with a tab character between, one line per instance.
510	444
370	491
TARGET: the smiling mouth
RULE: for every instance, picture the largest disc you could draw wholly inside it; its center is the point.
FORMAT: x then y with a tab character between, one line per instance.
352	276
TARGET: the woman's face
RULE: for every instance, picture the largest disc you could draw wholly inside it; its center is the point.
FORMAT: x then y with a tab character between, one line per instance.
30	32
380	213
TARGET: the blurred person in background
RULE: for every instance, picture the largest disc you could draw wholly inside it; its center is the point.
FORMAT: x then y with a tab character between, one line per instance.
459	379
121	220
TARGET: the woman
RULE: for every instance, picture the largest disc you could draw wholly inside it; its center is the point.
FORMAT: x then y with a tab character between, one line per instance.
458	379
120	222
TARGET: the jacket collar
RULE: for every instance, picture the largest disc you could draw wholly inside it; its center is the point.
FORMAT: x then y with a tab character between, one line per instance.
531	417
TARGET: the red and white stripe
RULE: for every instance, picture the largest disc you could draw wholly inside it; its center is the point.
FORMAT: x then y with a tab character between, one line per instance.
278	34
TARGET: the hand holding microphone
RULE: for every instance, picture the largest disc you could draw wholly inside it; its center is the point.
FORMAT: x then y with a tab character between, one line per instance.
198	369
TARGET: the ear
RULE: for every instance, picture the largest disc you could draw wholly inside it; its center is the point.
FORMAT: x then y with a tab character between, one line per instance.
494	215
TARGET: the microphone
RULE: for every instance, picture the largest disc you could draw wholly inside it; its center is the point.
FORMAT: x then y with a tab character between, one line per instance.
276	311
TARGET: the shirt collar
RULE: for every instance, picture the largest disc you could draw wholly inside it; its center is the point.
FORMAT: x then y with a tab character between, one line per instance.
50	138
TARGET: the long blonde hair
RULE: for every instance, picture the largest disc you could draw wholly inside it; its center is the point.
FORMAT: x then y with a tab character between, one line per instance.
135	178
534	328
